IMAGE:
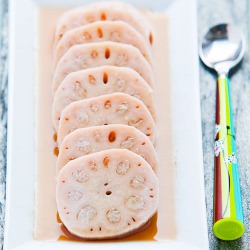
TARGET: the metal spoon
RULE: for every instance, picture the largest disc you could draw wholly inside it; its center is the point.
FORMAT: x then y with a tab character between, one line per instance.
223	48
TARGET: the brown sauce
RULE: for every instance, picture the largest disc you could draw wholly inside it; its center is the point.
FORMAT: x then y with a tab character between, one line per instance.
58	219
145	233
56	151
55	137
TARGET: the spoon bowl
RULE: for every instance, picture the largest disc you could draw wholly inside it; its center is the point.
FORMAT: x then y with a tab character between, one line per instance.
222	49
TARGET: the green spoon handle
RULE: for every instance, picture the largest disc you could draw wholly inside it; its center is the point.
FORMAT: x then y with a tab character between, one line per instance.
228	216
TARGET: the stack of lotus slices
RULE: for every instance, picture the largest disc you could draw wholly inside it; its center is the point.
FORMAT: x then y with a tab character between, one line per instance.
104	115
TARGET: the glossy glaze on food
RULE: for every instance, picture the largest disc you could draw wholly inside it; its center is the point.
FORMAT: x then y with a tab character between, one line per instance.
102	80
94	139
107	194
116	108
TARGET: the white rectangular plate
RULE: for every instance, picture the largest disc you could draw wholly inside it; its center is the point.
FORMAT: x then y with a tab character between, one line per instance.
189	186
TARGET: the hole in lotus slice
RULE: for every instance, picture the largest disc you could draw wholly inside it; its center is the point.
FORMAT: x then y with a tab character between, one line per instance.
107	53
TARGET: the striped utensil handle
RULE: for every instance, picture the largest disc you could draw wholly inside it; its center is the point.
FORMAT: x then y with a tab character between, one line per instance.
228	215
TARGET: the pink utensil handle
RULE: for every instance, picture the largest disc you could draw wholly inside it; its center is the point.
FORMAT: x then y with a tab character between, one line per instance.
228	215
